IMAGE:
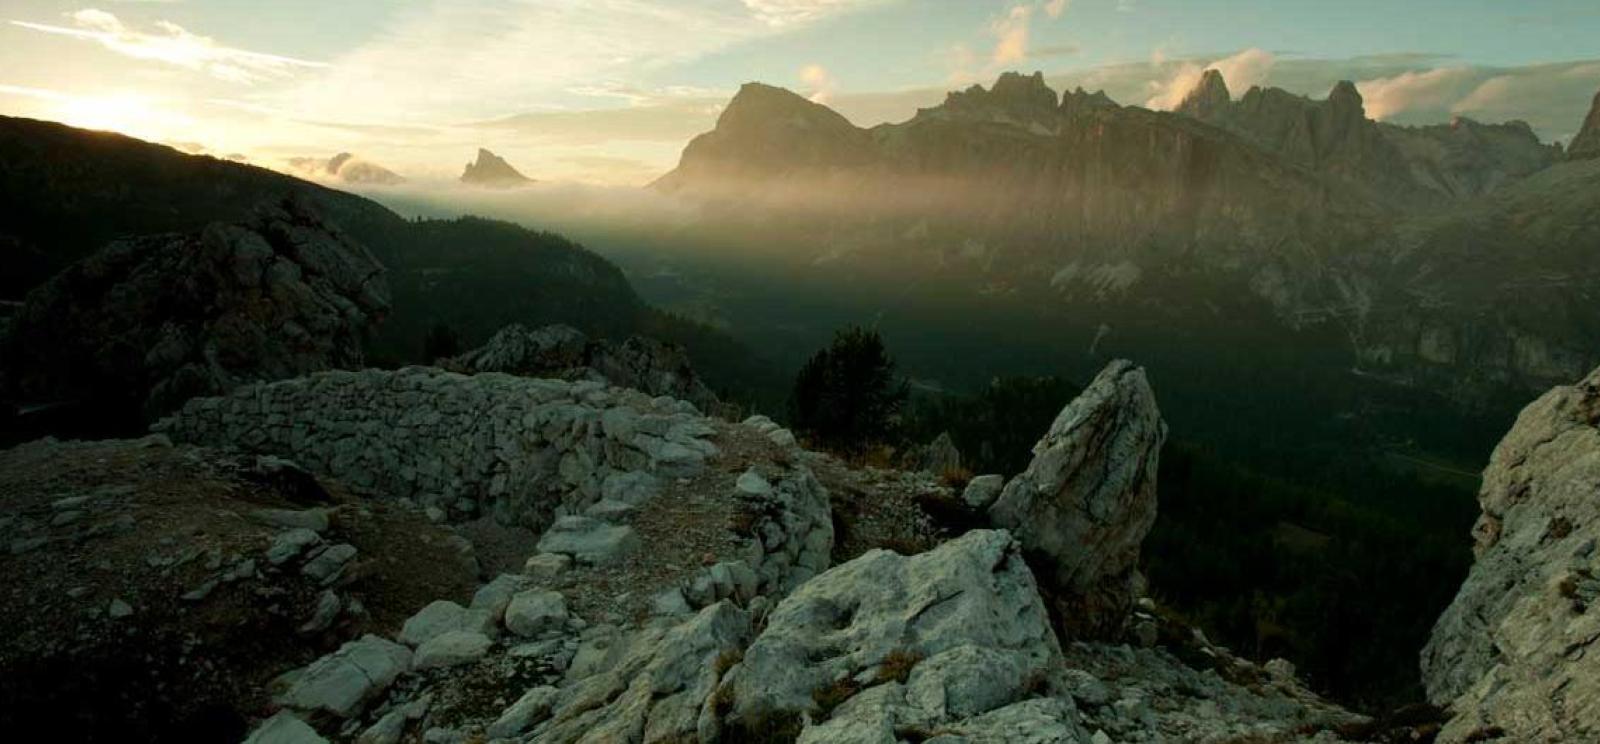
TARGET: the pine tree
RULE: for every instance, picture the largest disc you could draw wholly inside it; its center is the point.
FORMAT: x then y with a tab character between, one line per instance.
846	396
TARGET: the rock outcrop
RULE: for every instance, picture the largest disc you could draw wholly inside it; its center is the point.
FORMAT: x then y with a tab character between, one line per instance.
493	171
1088	498
1516	656
1585	145
887	643
148	323
563	352
524	451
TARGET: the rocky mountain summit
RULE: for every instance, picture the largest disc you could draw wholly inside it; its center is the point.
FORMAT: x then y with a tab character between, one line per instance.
492	171
1516	656
147	323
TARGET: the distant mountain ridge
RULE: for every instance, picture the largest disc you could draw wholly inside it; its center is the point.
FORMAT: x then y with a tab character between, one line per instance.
66	192
1306	207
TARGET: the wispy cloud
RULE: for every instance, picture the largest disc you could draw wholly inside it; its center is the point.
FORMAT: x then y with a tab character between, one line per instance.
487	58
172	44
784	13
1012	34
1429	89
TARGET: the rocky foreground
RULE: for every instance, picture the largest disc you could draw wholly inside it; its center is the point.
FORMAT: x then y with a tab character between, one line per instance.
656	575
544	542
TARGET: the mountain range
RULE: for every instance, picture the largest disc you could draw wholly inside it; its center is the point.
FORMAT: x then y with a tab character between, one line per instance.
1457	254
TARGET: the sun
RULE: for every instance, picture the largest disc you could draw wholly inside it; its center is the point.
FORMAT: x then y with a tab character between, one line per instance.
127	112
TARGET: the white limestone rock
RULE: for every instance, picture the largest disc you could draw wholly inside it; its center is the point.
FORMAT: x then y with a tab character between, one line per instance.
344	681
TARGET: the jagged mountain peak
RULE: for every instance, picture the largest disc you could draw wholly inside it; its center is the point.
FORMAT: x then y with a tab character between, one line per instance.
1078	101
490	169
1586	144
1012	90
1345	98
1208	98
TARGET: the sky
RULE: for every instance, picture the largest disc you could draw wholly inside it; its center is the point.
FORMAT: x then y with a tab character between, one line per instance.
609	91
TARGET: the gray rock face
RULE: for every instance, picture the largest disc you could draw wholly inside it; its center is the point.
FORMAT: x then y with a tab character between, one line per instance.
154	321
1519	648
1089	496
933	639
563	352
521	450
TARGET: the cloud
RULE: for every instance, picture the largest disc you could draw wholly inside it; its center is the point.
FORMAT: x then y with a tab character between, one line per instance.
1431	89
1011	35
1240	71
820	82
485	58
172	44
783	13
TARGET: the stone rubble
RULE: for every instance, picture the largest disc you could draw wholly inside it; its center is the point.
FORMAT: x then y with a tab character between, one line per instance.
525	451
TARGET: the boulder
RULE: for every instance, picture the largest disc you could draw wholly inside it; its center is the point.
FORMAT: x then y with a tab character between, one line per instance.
494	597
1518	650
285	728
589	540
982	491
342	682
536	611
443	616
1088	498
452	648
962	626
